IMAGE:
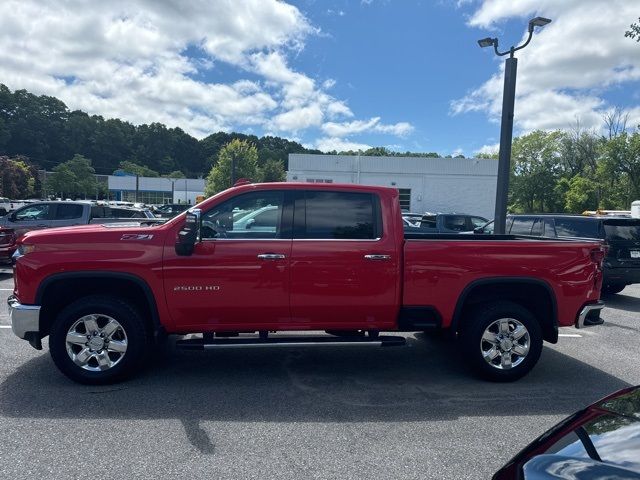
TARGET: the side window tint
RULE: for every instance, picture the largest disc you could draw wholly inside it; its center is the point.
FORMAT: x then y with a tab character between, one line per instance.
34	212
576	227
65	211
457	223
340	215
252	215
521	226
428	221
537	227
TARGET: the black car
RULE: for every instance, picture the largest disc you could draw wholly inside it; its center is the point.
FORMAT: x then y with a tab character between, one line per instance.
620	233
601	441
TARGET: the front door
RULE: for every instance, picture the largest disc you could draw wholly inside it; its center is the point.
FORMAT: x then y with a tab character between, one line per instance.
238	276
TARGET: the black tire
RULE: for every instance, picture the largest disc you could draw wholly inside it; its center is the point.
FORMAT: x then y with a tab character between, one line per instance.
131	322
612	288
479	320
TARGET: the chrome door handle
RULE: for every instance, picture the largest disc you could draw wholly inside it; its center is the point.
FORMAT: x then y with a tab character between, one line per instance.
41	226
271	256
377	257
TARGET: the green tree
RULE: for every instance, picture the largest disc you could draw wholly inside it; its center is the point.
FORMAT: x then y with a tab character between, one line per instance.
137	169
175	174
634	31
619	169
536	168
273	171
17	178
74	178
581	195
245	155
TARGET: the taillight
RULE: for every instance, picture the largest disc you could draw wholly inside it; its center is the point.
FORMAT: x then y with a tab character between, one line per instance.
597	255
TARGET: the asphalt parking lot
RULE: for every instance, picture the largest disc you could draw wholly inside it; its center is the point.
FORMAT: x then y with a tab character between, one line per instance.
409	412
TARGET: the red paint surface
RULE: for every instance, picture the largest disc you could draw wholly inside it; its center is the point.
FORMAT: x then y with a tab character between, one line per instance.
321	284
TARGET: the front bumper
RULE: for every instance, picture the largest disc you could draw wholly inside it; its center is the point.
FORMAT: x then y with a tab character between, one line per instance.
25	320
591	311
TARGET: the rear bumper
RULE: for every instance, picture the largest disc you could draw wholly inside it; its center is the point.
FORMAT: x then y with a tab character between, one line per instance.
25	319
621	275
591	311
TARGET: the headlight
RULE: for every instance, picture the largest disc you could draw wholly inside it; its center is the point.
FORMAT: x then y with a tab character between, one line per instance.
24	249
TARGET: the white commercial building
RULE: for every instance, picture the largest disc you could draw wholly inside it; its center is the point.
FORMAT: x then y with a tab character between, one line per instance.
154	190
463	185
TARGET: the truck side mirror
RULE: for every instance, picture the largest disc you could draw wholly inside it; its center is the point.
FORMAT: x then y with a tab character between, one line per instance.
189	234
478	230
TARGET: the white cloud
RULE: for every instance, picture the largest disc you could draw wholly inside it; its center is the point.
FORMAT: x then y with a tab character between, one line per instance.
566	71
343	129
489	149
143	61
327	144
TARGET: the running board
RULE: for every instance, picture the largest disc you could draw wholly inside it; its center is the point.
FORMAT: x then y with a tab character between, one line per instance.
318	341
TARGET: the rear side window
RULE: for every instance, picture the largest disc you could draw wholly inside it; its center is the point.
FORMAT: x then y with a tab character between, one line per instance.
577	227
521	226
341	215
68	211
457	223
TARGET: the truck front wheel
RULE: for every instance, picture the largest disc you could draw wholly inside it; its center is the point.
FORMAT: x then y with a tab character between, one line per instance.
98	340
501	341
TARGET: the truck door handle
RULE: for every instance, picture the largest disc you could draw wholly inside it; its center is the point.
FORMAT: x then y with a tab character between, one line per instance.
271	256
375	256
42	225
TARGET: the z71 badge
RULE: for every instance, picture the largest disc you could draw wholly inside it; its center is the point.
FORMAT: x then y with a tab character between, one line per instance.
136	236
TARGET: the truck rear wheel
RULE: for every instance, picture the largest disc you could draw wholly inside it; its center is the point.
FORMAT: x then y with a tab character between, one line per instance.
501	341
98	340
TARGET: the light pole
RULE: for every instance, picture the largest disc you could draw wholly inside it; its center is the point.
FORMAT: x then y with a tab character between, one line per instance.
506	126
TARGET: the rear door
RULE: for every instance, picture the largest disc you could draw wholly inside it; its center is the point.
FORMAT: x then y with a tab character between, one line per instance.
69	214
344	263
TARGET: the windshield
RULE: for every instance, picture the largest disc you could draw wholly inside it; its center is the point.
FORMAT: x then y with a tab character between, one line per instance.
622	231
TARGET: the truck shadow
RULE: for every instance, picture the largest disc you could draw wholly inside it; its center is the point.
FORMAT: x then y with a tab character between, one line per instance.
623	302
424	381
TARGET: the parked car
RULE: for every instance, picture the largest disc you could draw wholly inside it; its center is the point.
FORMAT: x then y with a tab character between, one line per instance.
601	441
442	222
335	258
170	210
41	215
5	205
7	245
621	234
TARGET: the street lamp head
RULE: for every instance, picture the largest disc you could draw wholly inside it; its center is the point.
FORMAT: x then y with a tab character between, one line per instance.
538	22
487	42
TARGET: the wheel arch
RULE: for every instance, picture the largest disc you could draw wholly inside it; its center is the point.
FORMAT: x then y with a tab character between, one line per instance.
58	290
532	293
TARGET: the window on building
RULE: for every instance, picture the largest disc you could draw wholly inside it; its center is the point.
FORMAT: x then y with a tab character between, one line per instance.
319	180
405	198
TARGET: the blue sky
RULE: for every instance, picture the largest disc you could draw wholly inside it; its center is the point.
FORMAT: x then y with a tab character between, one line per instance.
332	74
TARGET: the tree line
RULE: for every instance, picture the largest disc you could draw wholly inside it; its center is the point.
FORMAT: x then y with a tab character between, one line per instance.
556	171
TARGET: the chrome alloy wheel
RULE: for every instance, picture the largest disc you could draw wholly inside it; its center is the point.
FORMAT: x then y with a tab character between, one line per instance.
505	343
96	342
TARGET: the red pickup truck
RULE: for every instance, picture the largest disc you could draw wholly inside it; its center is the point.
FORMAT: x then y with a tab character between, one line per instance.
261	259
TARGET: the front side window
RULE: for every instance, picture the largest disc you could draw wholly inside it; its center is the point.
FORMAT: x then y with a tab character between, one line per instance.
477	221
34	212
252	215
340	215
